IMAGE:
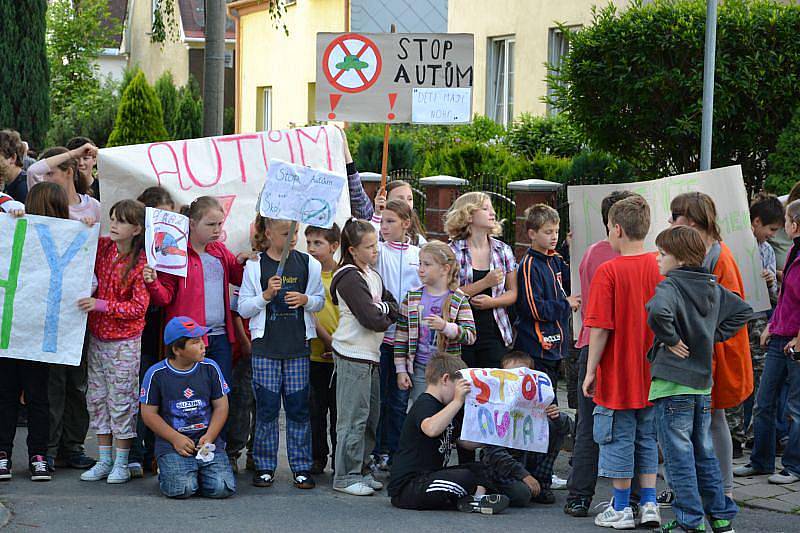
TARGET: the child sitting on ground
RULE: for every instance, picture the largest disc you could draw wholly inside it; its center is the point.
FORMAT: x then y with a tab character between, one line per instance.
184	401
420	478
520	475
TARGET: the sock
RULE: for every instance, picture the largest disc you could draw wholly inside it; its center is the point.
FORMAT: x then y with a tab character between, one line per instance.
105	455
647	495
121	460
622	498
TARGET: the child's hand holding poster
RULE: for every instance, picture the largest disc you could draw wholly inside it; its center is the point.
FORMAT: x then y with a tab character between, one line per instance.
166	239
507	408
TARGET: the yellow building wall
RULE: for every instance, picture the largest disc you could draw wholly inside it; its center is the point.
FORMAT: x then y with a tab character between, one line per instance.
286	64
529	21
151	57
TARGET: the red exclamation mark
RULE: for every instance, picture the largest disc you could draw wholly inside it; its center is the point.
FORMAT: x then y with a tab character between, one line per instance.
334	102
392	100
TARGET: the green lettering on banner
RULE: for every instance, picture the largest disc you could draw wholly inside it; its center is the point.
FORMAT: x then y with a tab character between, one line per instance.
10	284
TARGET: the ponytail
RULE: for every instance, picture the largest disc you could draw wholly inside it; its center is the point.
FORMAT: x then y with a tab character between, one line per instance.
352	235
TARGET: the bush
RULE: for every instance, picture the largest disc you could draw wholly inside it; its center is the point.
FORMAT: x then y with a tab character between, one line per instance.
530	135
550	168
589	168
188	122
168	95
784	162
93	117
370	153
633	83
139	118
470	159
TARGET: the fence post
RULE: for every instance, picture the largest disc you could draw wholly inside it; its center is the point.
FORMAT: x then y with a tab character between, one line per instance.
371	182
527	193
441	192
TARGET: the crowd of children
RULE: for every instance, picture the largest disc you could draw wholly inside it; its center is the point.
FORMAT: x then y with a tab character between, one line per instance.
362	340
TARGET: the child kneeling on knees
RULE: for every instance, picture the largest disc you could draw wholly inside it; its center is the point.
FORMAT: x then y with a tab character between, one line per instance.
184	402
420	478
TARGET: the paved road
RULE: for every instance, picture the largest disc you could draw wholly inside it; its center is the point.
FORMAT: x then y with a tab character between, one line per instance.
67	504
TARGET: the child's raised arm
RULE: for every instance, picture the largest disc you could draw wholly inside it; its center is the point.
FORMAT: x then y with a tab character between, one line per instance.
162	288
251	299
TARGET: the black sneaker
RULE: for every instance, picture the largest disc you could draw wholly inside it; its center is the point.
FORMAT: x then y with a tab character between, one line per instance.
303	480
78	461
40	470
579	508
738	453
665	499
486	504
545	497
721	526
263	478
5	467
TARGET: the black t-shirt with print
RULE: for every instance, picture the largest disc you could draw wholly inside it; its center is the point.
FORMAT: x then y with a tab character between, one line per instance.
418	453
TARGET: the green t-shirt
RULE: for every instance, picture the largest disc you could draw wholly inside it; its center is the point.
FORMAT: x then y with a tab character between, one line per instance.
661	388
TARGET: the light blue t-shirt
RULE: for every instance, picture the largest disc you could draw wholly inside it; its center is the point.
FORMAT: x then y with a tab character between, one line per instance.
214	286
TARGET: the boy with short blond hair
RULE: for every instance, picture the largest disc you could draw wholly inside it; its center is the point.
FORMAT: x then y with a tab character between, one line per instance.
543	305
618	373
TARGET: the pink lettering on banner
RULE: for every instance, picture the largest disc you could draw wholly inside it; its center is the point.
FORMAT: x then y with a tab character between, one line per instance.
238	140
169	171
227	202
189	167
502	427
320	132
270	138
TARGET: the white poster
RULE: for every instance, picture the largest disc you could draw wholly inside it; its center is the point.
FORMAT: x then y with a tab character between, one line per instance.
46	266
507	408
726	188
166	240
232	168
303	194
441	106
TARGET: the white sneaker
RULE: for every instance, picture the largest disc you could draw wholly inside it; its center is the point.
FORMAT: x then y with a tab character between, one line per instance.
99	471
371	482
616	519
356	489
119	474
558	483
649	515
784	477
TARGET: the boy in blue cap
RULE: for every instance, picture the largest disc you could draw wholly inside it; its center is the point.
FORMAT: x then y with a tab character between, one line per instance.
184	401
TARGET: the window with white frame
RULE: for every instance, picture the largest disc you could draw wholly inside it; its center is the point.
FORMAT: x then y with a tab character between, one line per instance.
557	50
155	5
264	108
500	80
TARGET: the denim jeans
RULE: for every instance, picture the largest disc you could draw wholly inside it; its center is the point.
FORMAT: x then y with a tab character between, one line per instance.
182	477
394	404
220	351
778	369
627	441
684	432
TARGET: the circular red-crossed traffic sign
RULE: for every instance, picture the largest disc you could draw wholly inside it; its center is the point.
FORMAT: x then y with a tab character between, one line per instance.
352	80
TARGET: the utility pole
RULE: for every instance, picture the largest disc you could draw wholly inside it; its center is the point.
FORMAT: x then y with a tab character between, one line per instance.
214	68
709	61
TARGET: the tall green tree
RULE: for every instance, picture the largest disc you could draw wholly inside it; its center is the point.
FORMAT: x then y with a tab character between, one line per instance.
168	95
139	117
25	98
633	82
188	120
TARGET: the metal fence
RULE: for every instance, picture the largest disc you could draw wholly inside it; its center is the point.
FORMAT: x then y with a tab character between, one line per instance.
420	199
502	200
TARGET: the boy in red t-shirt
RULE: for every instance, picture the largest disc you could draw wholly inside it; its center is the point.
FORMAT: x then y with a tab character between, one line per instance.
618	373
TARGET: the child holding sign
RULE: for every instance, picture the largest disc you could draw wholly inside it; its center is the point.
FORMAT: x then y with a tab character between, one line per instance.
434	317
689	312
116	321
280	305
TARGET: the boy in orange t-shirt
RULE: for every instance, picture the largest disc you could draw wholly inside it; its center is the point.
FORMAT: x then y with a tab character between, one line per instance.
618	373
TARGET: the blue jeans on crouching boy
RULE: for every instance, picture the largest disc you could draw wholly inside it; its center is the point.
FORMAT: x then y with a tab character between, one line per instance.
181	477
684	423
394	404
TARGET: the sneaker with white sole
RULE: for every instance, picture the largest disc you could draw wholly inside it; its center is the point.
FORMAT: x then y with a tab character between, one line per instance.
558	483
98	472
784	477
617	519
486	504
119	474
372	483
40	470
356	489
747	471
136	470
5	466
649	515
665	499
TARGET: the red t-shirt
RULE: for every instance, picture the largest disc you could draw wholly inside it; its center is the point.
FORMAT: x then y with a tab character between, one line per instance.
620	289
595	255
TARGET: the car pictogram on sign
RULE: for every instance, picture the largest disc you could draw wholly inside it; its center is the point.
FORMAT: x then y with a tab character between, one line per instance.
351	63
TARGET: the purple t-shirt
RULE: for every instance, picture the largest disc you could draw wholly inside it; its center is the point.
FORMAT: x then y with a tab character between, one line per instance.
429	305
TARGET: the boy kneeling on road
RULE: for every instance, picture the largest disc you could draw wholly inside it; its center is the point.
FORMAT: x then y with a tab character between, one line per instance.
420	478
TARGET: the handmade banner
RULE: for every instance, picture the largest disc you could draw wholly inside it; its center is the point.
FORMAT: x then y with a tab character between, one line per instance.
724	185
232	168
166	240
506	408
46	266
369	77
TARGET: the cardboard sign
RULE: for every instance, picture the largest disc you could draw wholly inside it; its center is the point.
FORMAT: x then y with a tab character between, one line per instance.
724	185
369	77
302	194
46	266
441	106
506	408
232	168
166	241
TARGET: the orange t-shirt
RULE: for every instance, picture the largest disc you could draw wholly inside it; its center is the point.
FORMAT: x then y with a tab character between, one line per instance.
732	366
620	289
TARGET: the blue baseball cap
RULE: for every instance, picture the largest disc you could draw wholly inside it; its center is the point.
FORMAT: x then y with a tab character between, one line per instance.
183	326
